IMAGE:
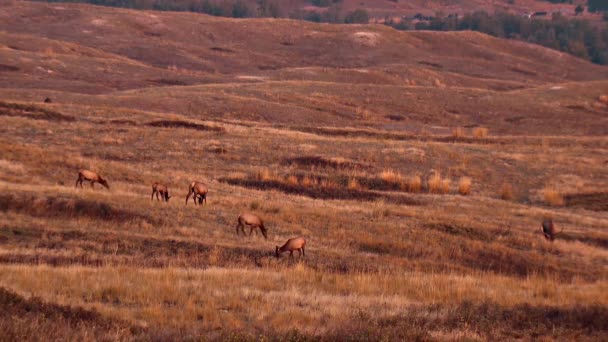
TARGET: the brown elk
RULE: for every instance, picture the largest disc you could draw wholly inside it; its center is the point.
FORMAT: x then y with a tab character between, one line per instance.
198	189
295	244
253	221
91	177
162	190
549	230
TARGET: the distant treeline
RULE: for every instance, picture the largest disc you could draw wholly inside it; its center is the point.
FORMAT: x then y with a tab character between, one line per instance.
575	36
331	9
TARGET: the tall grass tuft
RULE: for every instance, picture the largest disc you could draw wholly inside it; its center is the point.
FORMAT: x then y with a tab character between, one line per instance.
506	192
464	186
553	197
480	132
439	185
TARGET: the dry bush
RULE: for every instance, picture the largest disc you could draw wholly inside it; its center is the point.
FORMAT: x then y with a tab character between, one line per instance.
391	176
293	180
265	175
439	185
309	181
506	192
353	184
464	186
458	132
445	185
328	183
414	183
480	132
553	197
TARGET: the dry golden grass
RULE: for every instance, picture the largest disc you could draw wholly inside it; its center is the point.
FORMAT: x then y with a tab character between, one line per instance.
414	183
458	132
391	176
353	184
464	186
438	184
553	196
319	148
506	192
480	132
275	300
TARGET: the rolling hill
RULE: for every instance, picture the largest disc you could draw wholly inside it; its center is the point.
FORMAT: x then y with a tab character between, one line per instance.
418	166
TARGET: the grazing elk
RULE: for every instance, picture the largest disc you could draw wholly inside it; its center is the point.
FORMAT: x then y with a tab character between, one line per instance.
549	230
162	190
199	190
253	221
295	244
91	177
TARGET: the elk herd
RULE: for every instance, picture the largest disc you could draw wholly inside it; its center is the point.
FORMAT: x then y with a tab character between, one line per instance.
198	191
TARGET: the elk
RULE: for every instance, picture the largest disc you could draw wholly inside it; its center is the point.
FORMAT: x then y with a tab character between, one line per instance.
197	189
92	177
253	221
162	190
549	230
295	244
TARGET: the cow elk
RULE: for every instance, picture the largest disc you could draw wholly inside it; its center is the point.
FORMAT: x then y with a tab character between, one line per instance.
198	189
549	230
295	244
162	190
92	177
253	221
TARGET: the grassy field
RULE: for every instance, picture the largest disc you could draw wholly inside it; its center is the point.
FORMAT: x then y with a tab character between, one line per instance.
421	200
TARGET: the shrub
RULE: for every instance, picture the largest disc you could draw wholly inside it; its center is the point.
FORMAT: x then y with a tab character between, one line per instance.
391	176
458	132
553	197
506	192
464	186
358	16
438	185
480	132
414	183
353	184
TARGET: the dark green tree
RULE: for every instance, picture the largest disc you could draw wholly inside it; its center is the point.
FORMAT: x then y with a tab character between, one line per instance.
358	16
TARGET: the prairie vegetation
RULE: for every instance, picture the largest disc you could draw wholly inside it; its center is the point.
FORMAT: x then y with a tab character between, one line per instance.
394	250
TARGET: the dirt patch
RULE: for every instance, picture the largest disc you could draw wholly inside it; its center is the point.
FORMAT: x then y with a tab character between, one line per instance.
4	67
169	82
467	232
320	192
431	64
596	201
394	117
221	49
123	122
321	162
64	207
32	112
184	124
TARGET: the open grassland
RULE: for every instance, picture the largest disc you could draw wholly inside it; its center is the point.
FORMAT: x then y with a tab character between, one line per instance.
418	166
383	260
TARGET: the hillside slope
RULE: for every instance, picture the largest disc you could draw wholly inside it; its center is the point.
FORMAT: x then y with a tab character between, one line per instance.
332	74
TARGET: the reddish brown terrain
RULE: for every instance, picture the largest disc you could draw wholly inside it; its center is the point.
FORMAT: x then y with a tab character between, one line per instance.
418	166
